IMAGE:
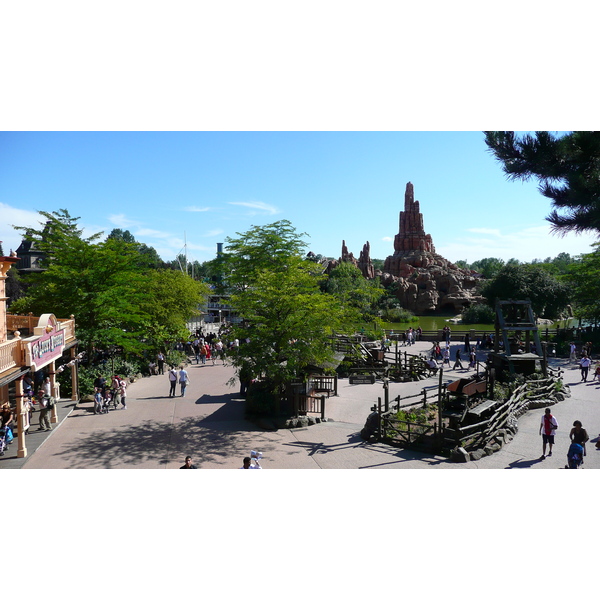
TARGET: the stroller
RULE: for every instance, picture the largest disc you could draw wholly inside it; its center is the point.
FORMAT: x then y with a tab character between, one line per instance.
106	402
3	440
575	456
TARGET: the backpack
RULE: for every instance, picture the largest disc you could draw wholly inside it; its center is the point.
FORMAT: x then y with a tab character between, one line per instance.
51	402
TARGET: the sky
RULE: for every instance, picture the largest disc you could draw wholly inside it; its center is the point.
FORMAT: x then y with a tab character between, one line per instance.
317	112
185	191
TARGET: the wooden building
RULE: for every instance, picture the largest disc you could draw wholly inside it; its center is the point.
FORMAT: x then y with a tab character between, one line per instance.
29	344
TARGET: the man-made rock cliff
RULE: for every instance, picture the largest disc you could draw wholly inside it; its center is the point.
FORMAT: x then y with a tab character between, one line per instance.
423	281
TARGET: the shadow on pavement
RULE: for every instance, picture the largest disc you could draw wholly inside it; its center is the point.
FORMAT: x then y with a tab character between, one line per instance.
154	442
523	464
355	441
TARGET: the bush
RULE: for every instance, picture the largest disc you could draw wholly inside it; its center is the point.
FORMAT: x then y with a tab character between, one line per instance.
398	315
260	398
479	314
88	373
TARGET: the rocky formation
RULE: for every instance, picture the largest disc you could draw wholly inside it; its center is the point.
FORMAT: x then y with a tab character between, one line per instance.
363	263
424	281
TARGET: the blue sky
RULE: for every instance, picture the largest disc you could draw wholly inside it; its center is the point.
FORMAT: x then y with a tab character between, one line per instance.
200	187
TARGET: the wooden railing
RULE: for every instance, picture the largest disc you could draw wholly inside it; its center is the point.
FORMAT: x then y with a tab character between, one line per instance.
29	322
14	322
304	404
10	355
68	326
324	383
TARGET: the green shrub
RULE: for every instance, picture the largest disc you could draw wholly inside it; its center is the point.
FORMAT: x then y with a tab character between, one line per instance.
479	314
398	315
260	398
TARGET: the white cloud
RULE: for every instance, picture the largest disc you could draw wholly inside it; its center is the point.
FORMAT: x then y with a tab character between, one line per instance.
154	233
213	233
525	245
258	206
387	239
196	209
122	221
11	239
484	231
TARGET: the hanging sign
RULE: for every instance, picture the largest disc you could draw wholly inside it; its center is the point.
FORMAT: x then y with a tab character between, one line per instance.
45	349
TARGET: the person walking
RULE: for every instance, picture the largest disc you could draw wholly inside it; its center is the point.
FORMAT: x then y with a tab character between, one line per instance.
160	359
123	390
572	353
183	380
457	363
584	365
188	463
579	435
172	381
44	401
547	428
446	360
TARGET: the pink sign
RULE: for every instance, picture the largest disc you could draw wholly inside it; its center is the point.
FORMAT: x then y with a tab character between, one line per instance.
45	349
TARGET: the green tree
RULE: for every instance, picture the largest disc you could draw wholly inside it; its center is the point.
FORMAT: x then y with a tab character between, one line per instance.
347	284
261	248
488	267
584	276
287	319
548	296
567	167
114	298
123	235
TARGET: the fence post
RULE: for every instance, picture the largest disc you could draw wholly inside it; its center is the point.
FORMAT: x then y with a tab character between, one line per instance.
322	408
424	398
380	419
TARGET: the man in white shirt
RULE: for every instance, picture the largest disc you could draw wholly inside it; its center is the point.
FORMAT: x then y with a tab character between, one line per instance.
183	380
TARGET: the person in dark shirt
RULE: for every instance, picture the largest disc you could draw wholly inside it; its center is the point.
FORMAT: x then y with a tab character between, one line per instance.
188	463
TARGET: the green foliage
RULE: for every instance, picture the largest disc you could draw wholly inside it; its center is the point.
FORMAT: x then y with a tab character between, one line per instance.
347	284
584	277
567	167
479	313
286	317
175	358
488	267
87	374
267	248
398	315
548	296
260	398
117	298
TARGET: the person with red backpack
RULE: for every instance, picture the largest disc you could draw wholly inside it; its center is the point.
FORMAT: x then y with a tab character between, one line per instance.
547	428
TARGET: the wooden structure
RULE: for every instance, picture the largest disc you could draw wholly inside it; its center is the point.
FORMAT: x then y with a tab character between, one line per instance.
513	319
44	342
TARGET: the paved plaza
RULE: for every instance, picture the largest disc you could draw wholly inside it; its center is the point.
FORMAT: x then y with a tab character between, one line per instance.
157	432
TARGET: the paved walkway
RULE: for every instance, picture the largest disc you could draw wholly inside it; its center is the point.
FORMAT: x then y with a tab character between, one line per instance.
157	432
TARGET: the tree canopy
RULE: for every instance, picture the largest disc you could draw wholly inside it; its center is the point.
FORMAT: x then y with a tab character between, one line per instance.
548	295
115	298
287	319
584	276
567	167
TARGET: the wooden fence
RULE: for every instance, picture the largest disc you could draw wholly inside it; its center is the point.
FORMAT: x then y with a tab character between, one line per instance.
491	415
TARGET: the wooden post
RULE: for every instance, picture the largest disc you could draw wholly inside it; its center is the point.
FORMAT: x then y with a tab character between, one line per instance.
545	359
379	420
54	391
424	398
322	408
440	400
386	391
22	419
